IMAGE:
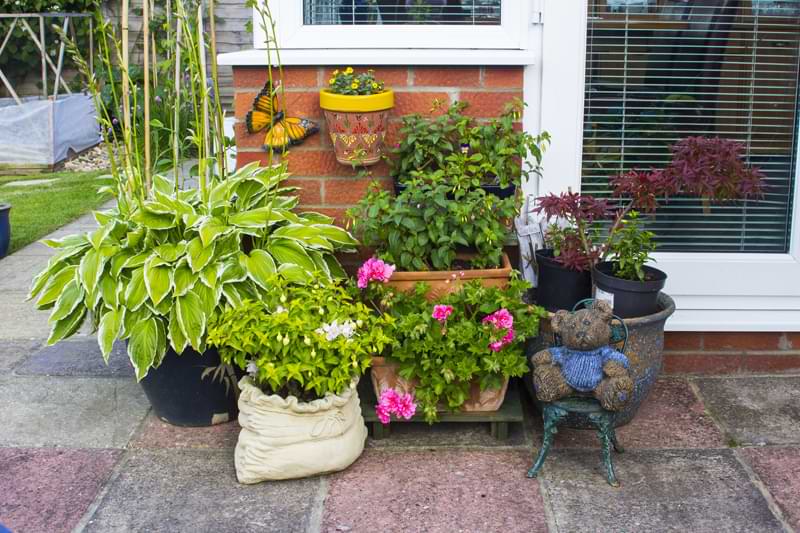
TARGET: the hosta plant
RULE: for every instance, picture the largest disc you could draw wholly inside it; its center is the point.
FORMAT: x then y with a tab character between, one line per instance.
301	340
158	269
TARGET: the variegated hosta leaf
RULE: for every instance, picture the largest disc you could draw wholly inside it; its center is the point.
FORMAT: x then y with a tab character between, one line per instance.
152	220
259	266
176	337
212	228
143	346
109	331
67	325
46	277
295	274
198	254
335	234
288	251
183	278
136	293
157	278
71	297
191	318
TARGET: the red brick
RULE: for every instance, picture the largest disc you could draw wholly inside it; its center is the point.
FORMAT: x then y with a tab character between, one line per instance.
741	341
447	76
348	191
243	158
317	163
791	342
503	77
391	76
243	103
677	363
245	139
256	77
301	104
420	102
308	190
487	104
683	341
767	363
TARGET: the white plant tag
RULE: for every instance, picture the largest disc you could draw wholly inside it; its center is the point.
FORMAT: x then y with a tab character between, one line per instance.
600	294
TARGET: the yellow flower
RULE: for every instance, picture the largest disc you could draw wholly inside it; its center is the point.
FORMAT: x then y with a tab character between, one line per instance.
331	81
354	85
348	70
335	72
374	85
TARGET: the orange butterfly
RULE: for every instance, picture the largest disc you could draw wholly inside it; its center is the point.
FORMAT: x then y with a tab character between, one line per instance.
281	132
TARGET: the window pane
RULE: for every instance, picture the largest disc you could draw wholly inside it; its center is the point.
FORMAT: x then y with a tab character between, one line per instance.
658	71
450	12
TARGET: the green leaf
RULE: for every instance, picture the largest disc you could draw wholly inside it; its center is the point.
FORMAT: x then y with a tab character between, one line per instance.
70	298
67	325
336	234
136	293
52	290
176	336
199	255
259	218
157	279
109	330
288	251
294	273
191	318
67	242
211	229
91	269
152	220
110	290
143	346
183	279
259	266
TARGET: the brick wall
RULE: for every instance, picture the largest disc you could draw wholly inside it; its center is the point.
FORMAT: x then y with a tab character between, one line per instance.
731	352
328	186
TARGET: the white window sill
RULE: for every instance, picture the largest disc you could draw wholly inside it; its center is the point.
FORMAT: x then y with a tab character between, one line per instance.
356	57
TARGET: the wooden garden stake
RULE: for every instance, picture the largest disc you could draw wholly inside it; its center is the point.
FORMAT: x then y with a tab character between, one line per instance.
146	30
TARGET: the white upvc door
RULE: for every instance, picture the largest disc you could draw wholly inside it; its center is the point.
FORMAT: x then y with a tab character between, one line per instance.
713	292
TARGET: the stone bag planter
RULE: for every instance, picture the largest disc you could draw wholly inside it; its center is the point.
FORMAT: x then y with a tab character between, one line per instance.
284	438
385	376
442	281
357	125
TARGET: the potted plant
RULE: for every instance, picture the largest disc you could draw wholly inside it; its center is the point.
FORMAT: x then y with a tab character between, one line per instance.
304	348
607	237
456	352
435	230
493	155
357	108
5	229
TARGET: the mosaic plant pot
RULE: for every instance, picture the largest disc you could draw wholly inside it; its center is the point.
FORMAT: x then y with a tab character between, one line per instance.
357	125
645	353
385	376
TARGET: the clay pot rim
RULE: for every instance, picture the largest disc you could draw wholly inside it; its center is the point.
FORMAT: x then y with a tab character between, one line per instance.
356	103
503	271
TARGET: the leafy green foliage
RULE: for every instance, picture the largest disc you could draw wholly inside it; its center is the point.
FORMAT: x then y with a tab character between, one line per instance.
422	227
445	358
288	339
473	153
350	82
164	266
631	247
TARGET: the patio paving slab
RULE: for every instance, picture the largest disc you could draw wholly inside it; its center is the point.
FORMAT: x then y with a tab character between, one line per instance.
79	356
22	319
671	417
45	489
14	351
450	435
664	490
435	491
755	410
17	270
71	412
155	433
190	490
779	470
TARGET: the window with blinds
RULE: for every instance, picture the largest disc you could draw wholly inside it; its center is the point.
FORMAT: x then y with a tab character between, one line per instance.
450	12
661	70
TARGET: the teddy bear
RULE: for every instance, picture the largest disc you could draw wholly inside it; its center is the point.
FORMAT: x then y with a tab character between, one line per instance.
585	364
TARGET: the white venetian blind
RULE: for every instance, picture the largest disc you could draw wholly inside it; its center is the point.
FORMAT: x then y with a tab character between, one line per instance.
661	70
450	12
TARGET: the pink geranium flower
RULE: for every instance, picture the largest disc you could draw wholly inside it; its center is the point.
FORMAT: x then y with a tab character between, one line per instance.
390	402
441	312
374	269
501	319
406	407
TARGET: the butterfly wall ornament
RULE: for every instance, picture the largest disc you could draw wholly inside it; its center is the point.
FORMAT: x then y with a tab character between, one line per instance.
281	131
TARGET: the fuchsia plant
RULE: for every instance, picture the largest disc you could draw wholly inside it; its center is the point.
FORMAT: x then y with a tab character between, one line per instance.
393	403
441	312
711	168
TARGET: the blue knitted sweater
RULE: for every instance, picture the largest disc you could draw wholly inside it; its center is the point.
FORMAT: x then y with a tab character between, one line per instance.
583	371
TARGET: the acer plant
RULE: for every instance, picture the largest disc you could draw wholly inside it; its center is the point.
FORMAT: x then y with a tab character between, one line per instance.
156	271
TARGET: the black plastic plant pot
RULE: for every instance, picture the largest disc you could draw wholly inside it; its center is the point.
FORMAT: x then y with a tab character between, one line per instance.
182	395
500	192
560	287
631	298
5	229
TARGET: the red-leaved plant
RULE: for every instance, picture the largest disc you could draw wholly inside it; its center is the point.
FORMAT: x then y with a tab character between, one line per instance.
709	168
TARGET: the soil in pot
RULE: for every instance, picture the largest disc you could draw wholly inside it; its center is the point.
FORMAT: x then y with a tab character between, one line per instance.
629	298
560	287
184	392
5	229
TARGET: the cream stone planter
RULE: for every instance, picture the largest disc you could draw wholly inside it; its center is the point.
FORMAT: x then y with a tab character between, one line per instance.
283	438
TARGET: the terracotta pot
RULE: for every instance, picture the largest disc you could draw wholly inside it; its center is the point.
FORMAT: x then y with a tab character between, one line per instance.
385	376
357	125
446	281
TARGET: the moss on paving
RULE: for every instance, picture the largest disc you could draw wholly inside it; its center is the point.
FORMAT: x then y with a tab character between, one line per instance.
37	210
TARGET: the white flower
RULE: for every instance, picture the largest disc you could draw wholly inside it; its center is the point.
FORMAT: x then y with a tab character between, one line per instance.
252	369
333	330
280	309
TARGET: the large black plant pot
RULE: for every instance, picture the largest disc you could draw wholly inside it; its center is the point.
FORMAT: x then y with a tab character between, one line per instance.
559	287
631	298
5	229
182	396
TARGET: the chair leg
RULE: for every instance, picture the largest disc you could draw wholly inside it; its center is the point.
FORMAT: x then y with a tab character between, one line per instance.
606	430
617	446
552	416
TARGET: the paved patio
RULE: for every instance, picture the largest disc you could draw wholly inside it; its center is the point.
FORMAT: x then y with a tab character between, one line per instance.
80	451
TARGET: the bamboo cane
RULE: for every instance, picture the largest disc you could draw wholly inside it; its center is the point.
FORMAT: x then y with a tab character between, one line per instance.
201	52
176	156
146	29
218	121
126	90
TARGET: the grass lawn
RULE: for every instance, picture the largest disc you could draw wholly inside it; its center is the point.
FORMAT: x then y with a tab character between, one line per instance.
37	210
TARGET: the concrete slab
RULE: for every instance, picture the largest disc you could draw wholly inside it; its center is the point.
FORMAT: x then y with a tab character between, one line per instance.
72	412
155	433
78	356
671	417
45	489
779	470
30	183
23	320
755	410
182	490
14	351
435	491
664	490
35	248
17	271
